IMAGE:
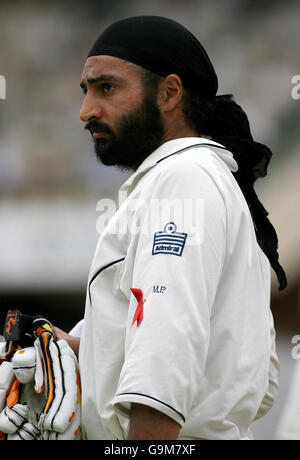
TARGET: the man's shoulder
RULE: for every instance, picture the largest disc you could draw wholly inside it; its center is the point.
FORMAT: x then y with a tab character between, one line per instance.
183	175
192	163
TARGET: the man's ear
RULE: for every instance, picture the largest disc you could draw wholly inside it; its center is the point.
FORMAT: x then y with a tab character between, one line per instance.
170	93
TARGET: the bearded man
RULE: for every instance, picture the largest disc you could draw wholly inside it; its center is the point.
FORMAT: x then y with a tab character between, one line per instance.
178	339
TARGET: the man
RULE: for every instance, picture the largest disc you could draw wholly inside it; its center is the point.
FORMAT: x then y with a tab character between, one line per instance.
178	339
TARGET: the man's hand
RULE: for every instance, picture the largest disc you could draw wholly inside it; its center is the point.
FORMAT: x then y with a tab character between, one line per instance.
147	423
73	342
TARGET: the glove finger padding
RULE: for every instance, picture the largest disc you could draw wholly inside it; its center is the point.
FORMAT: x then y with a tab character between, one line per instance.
68	418
62	387
58	362
14	422
24	364
12	418
27	432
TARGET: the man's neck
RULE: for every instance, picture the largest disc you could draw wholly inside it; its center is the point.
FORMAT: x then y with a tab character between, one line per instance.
177	132
172	134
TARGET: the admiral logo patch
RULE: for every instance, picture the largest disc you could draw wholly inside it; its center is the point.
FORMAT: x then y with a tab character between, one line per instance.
169	241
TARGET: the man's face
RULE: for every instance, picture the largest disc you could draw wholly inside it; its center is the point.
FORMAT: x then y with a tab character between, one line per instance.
120	113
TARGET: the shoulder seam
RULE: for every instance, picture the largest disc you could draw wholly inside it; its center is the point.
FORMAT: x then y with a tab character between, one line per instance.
191	147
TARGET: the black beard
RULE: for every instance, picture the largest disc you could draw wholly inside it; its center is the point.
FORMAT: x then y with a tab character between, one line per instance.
138	134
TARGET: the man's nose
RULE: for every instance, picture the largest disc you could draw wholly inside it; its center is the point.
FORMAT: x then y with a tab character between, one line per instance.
90	109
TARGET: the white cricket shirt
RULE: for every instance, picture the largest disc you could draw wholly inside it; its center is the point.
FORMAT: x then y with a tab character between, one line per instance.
195	340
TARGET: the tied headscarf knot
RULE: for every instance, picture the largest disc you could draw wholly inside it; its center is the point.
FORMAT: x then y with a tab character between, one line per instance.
253	159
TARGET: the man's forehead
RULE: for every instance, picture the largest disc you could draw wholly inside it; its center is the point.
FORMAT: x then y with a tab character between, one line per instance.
96	65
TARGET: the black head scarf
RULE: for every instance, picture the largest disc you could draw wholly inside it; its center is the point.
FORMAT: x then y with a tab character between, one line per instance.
163	46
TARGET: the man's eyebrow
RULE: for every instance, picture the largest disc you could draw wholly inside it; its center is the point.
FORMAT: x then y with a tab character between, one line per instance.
101	78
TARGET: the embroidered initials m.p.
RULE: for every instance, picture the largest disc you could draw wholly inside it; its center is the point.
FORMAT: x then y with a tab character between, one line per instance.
159	289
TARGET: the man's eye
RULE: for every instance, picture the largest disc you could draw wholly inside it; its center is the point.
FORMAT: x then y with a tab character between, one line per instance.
107	87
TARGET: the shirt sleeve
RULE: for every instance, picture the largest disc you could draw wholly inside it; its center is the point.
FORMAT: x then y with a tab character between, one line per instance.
177	257
77	329
273	375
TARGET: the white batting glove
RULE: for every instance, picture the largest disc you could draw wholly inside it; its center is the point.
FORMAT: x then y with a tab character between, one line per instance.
50	369
14	422
62	411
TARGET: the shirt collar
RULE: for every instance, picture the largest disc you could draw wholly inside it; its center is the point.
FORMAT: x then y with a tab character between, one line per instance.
175	146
